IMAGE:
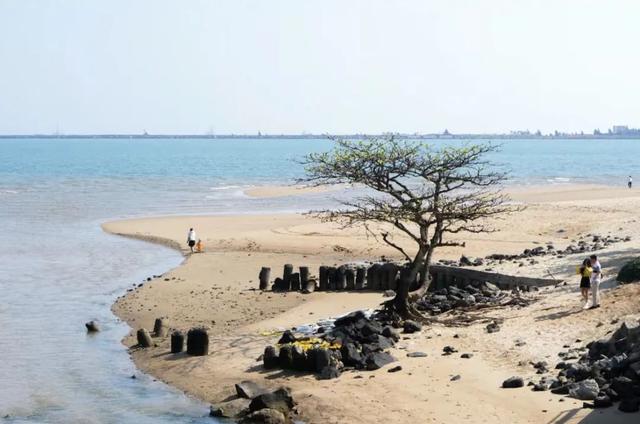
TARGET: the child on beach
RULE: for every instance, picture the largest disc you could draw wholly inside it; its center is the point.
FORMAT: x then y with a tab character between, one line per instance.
191	239
585	272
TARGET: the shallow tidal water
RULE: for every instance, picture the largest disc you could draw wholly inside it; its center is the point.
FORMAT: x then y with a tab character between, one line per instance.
58	269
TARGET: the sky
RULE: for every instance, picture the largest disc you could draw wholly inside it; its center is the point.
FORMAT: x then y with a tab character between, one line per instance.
325	66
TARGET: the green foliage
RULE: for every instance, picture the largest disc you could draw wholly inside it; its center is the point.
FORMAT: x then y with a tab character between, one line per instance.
630	272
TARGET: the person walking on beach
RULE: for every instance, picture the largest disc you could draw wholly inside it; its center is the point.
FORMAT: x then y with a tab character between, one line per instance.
191	239
630	182
596	276
585	272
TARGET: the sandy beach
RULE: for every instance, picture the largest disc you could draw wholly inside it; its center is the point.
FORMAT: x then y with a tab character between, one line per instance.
217	289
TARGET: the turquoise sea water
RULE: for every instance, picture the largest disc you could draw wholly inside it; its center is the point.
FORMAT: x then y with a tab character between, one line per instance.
59	270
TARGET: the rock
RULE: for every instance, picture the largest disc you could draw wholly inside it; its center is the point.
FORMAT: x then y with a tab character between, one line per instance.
279	400
456	377
391	333
92	327
395	369
512	383
144	338
298	358
584	390
411	327
493	327
448	350
623	386
416	355
159	328
270	358
264	416
351	356
287	337
322	359
466	355
198	342
464	261
329	372
629	405
231	409
177	342
630	272
249	389
378	360
602	401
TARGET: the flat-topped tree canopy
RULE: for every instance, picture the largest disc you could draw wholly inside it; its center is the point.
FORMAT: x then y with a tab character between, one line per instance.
422	192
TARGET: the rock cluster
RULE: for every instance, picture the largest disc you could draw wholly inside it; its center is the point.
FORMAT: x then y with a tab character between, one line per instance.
452	297
587	243
354	342
608	372
255	404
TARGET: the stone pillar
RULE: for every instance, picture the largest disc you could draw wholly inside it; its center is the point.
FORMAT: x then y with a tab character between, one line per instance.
144	338
177	342
361	273
198	342
323	277
159	328
265	276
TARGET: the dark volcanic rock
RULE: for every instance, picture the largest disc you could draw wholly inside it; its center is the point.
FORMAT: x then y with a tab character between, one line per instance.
264	416
629	405
512	383
287	337
92	327
249	389
378	360
329	372
279	400
411	327
285	357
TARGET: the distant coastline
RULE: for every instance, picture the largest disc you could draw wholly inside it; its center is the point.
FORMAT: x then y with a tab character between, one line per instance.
515	136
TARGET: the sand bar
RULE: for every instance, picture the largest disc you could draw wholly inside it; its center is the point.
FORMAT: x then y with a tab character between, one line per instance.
215	289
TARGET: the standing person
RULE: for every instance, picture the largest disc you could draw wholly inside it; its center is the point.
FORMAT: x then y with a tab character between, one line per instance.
596	276
191	239
630	182
585	272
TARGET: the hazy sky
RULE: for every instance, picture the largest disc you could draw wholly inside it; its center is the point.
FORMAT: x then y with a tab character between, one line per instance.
318	66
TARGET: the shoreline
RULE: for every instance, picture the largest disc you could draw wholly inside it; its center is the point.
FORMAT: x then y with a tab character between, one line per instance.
243	242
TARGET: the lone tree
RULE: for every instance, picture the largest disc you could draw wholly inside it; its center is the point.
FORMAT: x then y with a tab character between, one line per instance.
422	193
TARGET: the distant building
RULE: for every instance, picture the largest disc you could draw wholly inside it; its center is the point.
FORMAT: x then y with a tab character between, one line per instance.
620	129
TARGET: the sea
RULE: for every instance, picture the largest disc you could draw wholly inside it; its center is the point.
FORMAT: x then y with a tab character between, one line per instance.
58	269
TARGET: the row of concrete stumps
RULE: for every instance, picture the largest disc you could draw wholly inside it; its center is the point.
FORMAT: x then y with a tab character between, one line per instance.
385	276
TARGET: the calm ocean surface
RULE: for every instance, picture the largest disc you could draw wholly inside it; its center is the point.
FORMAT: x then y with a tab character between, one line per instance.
59	270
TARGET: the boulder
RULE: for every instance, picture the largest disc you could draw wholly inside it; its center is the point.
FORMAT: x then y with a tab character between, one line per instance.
512	383
630	404
378	360
329	373
584	390
144	338
279	400
630	272
411	326
231	409
198	342
602	401
249	389
351	356
264	416
391	333
322	359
